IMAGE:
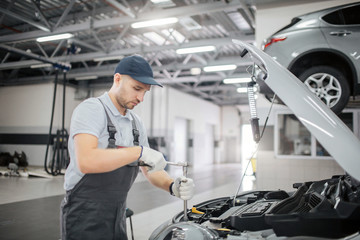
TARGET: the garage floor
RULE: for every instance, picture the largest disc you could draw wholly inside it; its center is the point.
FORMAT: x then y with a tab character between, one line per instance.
29	207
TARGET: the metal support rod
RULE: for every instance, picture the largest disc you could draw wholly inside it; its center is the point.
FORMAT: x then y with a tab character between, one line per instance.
63	66
185	201
180	164
51	123
184	165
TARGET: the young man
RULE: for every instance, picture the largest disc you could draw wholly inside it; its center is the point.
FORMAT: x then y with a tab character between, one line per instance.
107	144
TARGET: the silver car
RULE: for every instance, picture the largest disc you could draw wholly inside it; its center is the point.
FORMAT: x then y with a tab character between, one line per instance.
322	49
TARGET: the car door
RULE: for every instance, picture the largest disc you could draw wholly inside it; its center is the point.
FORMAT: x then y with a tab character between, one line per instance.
341	28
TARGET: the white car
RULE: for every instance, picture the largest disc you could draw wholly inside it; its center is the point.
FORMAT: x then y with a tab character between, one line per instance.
314	210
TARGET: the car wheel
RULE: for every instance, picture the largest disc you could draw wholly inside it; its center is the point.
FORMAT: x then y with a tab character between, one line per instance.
329	84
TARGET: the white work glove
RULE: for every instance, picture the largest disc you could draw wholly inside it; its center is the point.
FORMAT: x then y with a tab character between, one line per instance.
153	158
183	188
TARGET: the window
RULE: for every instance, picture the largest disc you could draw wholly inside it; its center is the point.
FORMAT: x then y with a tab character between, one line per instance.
292	139
333	18
345	16
351	15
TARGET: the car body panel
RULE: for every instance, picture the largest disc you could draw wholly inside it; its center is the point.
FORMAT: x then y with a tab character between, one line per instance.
328	129
304	42
349	43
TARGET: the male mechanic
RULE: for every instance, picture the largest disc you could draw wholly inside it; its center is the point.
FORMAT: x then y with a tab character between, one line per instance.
107	143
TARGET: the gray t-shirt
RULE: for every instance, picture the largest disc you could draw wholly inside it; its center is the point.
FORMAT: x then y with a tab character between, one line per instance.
89	117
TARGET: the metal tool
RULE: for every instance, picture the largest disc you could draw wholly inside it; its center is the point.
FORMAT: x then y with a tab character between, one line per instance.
184	165
180	164
185	201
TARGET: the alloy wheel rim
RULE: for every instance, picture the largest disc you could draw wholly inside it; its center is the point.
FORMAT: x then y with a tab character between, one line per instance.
326	87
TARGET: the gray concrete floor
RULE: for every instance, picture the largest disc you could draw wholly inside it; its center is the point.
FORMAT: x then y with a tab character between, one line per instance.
29	206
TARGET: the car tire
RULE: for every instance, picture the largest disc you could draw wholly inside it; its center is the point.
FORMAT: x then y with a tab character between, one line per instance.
329	84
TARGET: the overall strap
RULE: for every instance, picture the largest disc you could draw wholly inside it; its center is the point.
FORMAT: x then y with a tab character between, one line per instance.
135	131
111	129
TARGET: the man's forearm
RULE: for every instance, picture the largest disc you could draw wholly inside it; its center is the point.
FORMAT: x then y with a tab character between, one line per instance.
91	159
160	179
106	160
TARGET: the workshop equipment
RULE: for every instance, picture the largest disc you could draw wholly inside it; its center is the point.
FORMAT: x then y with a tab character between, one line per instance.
60	158
184	165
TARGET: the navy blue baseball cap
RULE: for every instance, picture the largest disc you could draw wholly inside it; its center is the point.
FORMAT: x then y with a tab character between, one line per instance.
137	68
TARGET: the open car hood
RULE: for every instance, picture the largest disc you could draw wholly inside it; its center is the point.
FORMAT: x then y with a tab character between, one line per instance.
325	125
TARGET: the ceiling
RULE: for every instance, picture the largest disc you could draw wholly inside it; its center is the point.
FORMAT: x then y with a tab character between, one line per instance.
103	33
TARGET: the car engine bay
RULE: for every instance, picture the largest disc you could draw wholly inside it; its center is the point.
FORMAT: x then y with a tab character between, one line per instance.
321	209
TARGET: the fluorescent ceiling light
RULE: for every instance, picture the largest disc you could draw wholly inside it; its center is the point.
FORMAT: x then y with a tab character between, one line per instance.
219	68
156	22
108	58
195	71
239	20
236	80
163	3
173	34
156	38
195	49
86	77
242	90
189	23
41	65
160	1
55	37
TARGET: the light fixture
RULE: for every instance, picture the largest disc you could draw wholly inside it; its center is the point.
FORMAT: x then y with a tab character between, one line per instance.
236	80
86	77
173	34
156	22
242	90
189	23
55	37
195	71
245	89
159	1
156	38
163	3
219	68
41	65
108	58
195	49
238	19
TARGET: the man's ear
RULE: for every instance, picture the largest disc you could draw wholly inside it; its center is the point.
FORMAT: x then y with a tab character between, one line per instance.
117	78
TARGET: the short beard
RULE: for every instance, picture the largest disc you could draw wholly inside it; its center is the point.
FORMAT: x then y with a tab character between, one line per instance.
123	105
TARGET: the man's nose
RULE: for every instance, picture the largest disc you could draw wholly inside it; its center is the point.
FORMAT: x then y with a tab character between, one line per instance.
140	97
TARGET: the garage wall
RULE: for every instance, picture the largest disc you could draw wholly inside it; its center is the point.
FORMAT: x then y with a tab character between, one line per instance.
27	110
231	120
277	173
272	172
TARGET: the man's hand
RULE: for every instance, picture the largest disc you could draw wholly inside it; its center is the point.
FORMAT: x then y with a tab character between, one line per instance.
183	188
154	159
